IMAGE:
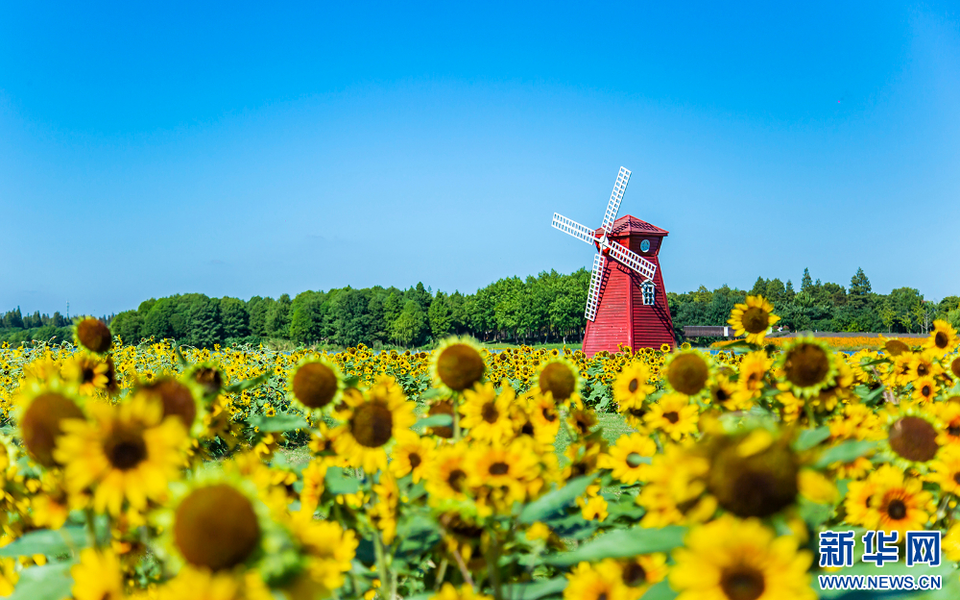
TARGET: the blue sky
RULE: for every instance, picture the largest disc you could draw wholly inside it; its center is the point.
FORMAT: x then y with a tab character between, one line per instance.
239	149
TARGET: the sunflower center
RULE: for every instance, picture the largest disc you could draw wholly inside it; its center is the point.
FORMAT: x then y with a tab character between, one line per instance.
806	365
895	347
922	369
634	574
925	390
914	439
941	340
372	425
127	451
956	478
549	415
633	385
499	468
758	485
954	429
634	459
211	379
897	509
722	395
216	527
415	460
40	425
558	379
94	335
455	480
87	374
490	413
315	385
755	319
742	583
955	367
176	397
671	416
688	374
459	366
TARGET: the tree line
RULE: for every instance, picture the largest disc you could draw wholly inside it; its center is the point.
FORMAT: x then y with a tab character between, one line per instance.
545	308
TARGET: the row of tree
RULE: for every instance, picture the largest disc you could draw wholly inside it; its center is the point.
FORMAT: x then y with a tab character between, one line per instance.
546	308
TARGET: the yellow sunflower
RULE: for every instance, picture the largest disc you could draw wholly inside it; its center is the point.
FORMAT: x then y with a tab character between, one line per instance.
504	474
128	451
945	470
448	479
807	367
97	576
328	549
688	372
629	459
942	339
543	415
457	364
375	418
730	559
675	415
90	373
602	581
43	411
632	386
487	415
899	503
754	318
925	389
912	436
448	592
93	334
561	378
316	383
414	458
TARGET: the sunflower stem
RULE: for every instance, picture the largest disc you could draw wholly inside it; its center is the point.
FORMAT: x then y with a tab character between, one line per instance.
92	528
441	573
382	565
455	399
493	566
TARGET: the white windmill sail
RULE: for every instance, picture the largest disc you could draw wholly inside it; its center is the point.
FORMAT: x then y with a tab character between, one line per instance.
616	196
573	228
623	255
593	298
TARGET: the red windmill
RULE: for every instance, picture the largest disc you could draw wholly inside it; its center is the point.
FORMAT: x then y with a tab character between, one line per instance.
627	303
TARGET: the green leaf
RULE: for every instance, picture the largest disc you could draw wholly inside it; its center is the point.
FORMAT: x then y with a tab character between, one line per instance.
809	438
281	422
621	543
436	421
555	501
247	384
535	589
845	452
49	582
47	542
337	482
660	591
814	514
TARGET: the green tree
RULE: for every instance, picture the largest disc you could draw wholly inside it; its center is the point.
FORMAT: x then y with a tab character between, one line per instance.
806	282
127	325
440	316
306	317
409	327
278	318
234	317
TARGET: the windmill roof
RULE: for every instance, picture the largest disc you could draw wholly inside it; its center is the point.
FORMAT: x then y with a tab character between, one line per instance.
628	224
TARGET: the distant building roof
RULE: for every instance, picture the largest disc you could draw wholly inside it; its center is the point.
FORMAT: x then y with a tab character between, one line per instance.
628	224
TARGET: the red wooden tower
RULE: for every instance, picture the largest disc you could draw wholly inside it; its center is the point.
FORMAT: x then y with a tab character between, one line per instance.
627	303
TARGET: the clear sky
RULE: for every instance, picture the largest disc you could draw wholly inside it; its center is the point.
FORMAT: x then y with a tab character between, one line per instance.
248	149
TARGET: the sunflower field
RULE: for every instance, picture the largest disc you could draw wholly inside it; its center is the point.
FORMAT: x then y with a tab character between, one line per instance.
158	471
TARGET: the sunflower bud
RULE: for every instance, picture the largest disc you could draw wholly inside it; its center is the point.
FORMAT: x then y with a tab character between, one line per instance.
753	475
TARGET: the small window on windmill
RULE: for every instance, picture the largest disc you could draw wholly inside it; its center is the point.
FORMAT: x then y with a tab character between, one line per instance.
648	291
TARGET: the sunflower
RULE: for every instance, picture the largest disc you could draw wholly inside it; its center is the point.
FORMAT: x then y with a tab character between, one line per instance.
632	386
628	459
457	364
43	411
945	470
97	576
925	389
200	584
208	376
315	384
177	397
602	581
129	452
753	318
216	522
504	474
640	572
93	334
674	415
808	367
561	378
448	478
730	559
373	419
543	415
328	549
942	339
922	364
487	415
899	503
676	492
90	373
687	372
858	501
753	370
413	457
912	436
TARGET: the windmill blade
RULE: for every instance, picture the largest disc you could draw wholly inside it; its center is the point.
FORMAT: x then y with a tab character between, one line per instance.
633	260
593	298
573	228
615	198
